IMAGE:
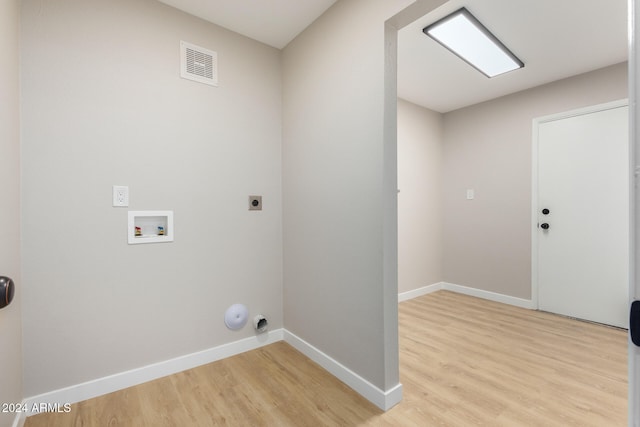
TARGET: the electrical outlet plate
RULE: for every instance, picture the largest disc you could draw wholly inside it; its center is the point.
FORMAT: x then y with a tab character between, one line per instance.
255	203
120	196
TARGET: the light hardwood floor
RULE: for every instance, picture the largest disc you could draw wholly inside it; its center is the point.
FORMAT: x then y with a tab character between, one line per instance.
463	362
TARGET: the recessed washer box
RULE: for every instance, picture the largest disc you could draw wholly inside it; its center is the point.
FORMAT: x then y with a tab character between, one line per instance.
150	227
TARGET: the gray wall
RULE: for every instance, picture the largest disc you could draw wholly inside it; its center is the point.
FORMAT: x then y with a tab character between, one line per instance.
486	147
487	243
420	213
103	104
10	316
333	174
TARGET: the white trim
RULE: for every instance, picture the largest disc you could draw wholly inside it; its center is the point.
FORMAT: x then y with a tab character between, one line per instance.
404	296
633	415
582	111
534	179
122	380
488	295
384	400
20	419
534	212
474	292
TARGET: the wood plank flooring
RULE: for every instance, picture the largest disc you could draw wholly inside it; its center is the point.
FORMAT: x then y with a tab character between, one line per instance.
471	362
463	362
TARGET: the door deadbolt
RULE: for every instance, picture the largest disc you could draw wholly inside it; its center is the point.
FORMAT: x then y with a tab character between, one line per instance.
545	211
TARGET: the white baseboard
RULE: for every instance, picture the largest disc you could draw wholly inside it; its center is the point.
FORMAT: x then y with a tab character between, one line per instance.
491	296
122	380
404	296
19	420
101	386
384	400
479	293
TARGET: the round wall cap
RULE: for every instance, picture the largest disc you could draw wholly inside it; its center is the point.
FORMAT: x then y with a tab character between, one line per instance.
236	316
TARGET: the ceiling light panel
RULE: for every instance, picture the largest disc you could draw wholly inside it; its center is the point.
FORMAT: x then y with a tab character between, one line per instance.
465	36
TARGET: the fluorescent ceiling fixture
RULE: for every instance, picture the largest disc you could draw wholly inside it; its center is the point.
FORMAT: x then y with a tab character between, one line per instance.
466	37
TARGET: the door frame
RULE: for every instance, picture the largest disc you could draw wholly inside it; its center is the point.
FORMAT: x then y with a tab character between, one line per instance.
534	179
633	11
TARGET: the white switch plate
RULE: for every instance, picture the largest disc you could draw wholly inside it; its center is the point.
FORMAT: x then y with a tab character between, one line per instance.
120	195
471	194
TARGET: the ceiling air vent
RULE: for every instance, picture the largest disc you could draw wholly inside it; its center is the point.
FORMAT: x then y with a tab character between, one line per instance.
198	64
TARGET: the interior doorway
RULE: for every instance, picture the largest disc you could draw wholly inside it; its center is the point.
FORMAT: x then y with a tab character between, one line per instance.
533	295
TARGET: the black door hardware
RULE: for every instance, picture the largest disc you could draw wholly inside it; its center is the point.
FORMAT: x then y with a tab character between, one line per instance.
634	323
6	291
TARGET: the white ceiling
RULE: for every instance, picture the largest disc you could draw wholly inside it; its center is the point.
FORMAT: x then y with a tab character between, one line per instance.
555	39
273	22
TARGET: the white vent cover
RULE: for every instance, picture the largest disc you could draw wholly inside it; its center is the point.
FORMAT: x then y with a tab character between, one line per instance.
198	64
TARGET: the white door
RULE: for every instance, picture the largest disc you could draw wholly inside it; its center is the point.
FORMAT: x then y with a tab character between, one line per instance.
583	214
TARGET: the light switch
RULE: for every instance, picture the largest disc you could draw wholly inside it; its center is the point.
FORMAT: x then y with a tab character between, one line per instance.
120	196
470	194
